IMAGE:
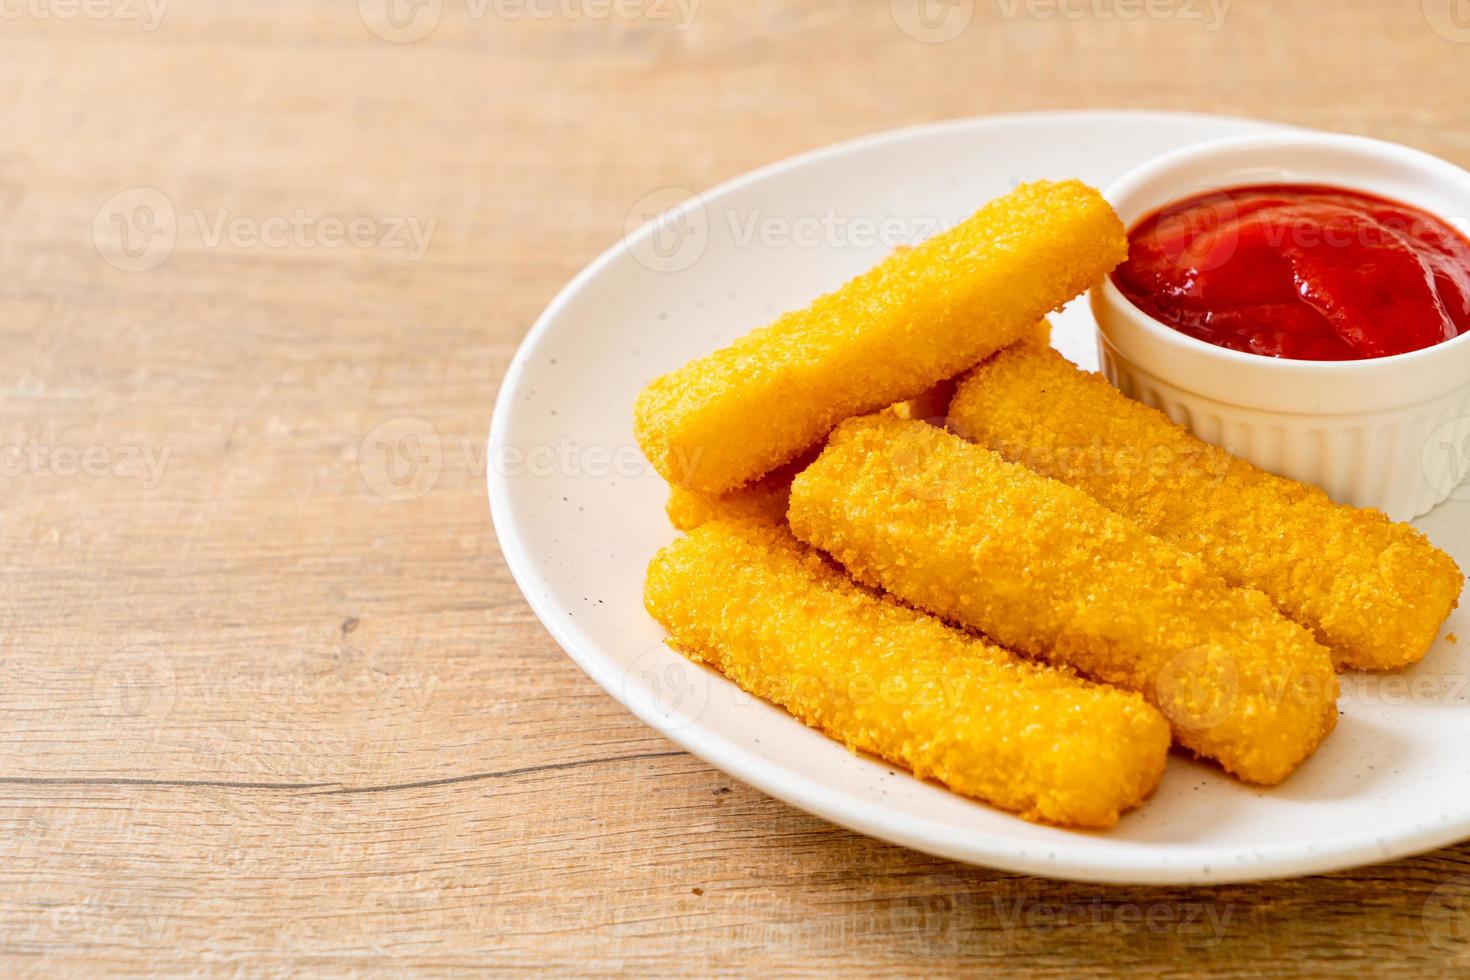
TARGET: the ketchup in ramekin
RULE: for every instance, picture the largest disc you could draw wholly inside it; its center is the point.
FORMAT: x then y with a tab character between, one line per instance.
1307	272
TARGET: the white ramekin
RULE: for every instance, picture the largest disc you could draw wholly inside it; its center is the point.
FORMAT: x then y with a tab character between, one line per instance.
1391	432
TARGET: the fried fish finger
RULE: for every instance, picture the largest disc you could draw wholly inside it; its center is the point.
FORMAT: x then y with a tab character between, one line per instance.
787	626
1046	570
1375	592
933	405
765	500
920	317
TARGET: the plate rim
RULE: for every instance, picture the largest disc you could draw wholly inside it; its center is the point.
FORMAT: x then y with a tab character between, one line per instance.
1136	866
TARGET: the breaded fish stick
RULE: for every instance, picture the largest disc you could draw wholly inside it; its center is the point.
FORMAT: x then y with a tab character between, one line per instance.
789	627
920	317
1375	592
1047	571
933	405
765	500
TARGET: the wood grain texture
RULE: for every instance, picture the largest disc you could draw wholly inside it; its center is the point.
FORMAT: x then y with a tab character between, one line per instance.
270	706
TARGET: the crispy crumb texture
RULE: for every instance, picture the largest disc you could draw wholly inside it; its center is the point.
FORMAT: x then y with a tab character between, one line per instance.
1375	592
1048	571
787	626
923	315
763	501
933	405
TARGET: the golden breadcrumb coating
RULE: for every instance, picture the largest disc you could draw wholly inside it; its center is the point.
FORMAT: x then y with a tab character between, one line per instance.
1048	571
921	316
787	626
1374	591
933	405
764	500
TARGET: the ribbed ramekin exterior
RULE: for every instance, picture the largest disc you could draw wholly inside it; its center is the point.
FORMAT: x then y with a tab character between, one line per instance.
1403	462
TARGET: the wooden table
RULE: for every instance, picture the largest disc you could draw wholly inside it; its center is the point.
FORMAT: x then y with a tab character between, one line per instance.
269	705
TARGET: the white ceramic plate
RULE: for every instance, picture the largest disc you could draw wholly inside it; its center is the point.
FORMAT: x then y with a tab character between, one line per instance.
579	514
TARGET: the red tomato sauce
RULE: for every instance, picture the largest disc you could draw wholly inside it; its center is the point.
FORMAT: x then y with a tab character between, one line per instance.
1301	271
